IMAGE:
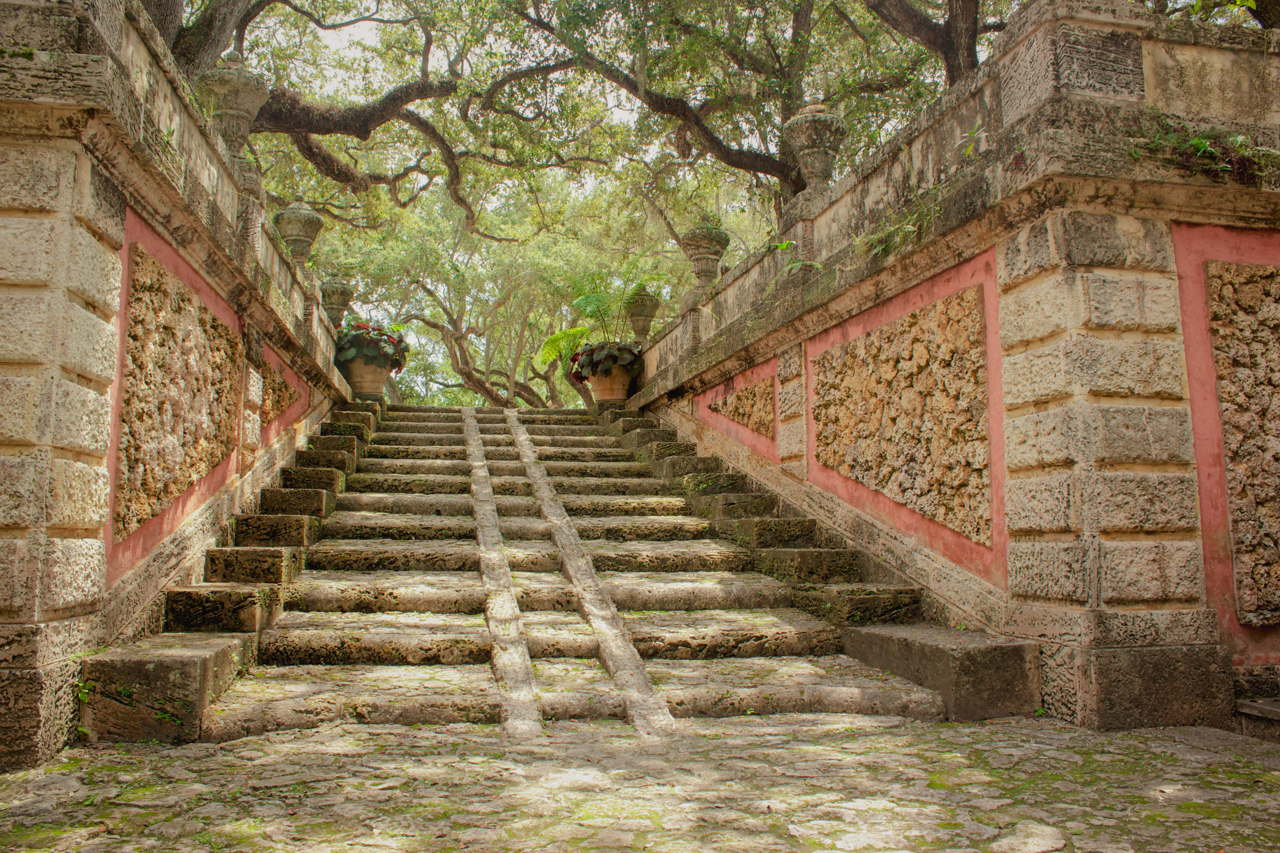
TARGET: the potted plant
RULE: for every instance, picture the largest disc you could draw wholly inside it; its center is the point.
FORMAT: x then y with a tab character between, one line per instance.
367	354
607	368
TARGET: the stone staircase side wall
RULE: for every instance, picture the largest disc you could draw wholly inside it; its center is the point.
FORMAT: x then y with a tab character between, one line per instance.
114	192
1016	406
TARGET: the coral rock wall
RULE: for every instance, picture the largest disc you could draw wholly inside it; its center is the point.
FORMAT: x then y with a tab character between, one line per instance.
277	394
183	373
903	410
752	407
1244	315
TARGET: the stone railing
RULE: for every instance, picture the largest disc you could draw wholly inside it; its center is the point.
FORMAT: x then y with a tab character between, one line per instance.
988	359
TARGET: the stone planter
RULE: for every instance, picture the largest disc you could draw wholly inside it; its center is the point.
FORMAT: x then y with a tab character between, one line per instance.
335	296
298	225
234	94
816	136
610	386
641	309
704	246
363	377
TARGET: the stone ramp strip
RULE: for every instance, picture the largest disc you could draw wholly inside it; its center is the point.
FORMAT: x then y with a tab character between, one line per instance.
512	669
278	698
645	709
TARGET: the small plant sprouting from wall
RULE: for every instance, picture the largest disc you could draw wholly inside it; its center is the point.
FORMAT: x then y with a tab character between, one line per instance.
1214	152
903	227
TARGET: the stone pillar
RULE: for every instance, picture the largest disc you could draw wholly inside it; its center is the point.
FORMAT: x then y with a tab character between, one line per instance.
61	230
1105	561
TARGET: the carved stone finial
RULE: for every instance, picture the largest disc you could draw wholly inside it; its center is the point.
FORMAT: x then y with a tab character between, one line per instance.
234	94
642	307
298	225
335	296
816	135
703	245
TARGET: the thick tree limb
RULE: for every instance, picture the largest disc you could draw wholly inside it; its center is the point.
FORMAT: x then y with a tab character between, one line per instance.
288	112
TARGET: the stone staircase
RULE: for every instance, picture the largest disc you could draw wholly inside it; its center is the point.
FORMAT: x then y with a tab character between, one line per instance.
430	565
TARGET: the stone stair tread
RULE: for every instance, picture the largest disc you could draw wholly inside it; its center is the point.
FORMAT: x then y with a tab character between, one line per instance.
647	528
683	555
648	591
608	485
616	505
374	623
381	592
301	637
572	689
730	633
425	555
357	524
557	634
300	697
829	684
443	505
422	484
458	467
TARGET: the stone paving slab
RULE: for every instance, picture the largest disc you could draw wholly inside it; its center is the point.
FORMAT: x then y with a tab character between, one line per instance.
791	783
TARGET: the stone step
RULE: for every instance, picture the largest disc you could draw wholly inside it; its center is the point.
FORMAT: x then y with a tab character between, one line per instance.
730	633
413	451
463	555
581	419
675	468
338	444
695	591
419	439
858	603
422	592
409	484
423	417
458	504
384	525
595	469
325	479
643	437
568	454
343	460
276	530
455	467
655	451
811	565
581	442
642	528
711	483
978	675
253	565
161	687
317	502
301	697
767	532
609	486
564	430
456	410
221	607
1259	718
623	425
357	431
445	430
365	419
734	505
614	505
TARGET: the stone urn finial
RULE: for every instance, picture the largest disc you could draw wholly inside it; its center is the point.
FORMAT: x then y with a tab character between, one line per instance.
816	136
335	296
234	94
642	306
704	246
298	225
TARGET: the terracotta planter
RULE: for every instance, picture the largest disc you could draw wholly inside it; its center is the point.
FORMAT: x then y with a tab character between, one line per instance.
365	378
611	386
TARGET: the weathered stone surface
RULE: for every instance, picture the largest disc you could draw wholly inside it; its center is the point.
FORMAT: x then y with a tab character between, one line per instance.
40	710
1244	317
1105	299
791	363
339	459
1096	434
329	479
858	604
752	406
222	607
730	633
41	575
277	530
978	675
297	502
181	400
638	438
767	532
253	565
278	394
677	467
1050	571
810	565
791	400
903	410
1081	363
1158	686
1136	572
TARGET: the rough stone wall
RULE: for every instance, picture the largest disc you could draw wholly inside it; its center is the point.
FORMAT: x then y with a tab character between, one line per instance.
903	410
277	394
1244	316
180	404
751	406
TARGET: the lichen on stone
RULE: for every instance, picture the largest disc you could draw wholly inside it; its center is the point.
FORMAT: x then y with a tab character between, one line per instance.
180	401
753	407
1244	315
277	393
902	410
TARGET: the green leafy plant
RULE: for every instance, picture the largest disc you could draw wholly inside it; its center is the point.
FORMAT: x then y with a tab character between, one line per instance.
1213	152
794	263
972	139
372	343
601	359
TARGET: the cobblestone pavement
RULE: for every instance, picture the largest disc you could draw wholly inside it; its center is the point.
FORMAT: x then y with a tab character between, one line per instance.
804	783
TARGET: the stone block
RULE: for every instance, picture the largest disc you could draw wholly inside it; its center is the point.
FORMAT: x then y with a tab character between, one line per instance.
253	565
791	363
659	450
798	468
678	467
1041	504
253	388
338	459
714	483
37	178
1112	501
317	502
27	254
25	403
93	271
1147	572
78	495
1192	626
251	429
329	479
1119	242
1027	254
80	420
858	604
338	443
277	530
40	713
1127	688
42	327
1084	364
1101	299
1095	434
793	440
767	532
364	419
1050	571
24	489
811	565
750	505
622	426
221	607
88	344
40	575
357	431
978	675
159	688
99	204
638	438
791	400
